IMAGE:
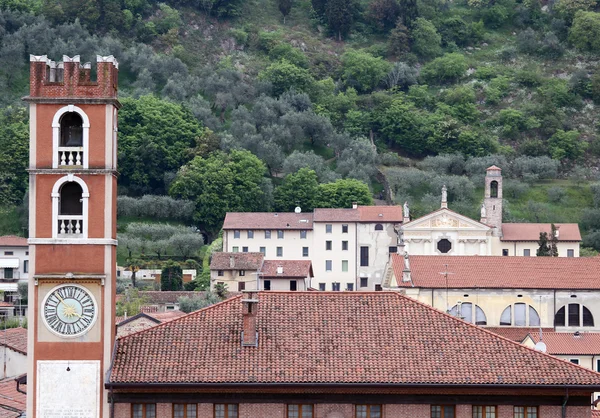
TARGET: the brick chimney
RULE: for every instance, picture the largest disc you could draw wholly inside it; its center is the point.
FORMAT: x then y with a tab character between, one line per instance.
249	314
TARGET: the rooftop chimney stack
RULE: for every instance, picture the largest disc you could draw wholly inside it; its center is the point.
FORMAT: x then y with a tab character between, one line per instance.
249	311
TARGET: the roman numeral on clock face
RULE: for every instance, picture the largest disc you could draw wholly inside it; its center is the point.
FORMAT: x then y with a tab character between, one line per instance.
69	310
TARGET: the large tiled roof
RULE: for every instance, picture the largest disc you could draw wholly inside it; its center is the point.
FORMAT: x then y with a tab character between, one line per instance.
531	232
499	272
15	339
12	241
380	213
12	402
336	338
236	261
517	334
337	215
268	220
564	343
290	268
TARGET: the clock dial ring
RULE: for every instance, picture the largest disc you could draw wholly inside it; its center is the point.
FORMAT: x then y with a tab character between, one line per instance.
69	310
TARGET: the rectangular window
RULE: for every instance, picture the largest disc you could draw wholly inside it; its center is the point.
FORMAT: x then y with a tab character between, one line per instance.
328	228
344	265
293	285
304	251
250	234
8	273
267	285
244	249
300	411
220	273
344	245
335	287
364	256
268	234
484	412
242	272
570	253
393	249
328	245
574	360
235	249
344	229
573	314
303	234
505	252
364	282
236	233
226	410
350	287
9	253
525	412
25	266
143	410
322	289
598	365
442	411
279	234
526	252
263	250
241	286
279	251
181	410
328	265
368	411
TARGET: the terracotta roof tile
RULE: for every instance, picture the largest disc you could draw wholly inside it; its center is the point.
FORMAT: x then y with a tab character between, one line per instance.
10	399
13	241
15	339
331	337
563	343
291	268
380	213
596	414
500	272
236	261
531	232
336	215
517	334
268	220
167	316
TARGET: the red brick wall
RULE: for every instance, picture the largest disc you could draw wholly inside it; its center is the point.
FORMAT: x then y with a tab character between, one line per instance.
408	411
264	410
123	410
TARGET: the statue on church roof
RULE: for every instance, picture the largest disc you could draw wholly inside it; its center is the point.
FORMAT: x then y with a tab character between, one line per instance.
444	196
483	211
406	210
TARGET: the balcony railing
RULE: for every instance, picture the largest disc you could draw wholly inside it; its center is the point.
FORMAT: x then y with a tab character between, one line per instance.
9	276
70	156
70	226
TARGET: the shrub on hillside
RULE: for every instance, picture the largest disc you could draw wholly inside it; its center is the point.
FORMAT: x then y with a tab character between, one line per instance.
556	194
444	69
426	42
156	207
585	32
444	164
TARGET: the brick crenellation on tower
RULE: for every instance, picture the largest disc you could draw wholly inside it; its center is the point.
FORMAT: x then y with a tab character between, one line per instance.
68	78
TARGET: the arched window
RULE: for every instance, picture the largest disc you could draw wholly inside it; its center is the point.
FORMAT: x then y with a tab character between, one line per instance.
465	311
70	137
520	315
71	130
70	208
578	316
494	189
378	227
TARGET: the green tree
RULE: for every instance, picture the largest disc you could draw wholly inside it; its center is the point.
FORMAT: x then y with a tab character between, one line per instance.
14	155
364	70
154	138
409	12
426	42
202	300
444	69
297	189
399	39
340	16
284	75
544	246
219	184
384	13
585	32
285	7
131	304
171	277
567	145
342	193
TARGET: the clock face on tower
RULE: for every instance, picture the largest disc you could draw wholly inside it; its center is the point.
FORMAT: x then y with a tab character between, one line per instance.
69	310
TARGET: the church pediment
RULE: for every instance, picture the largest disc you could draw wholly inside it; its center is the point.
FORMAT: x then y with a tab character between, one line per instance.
444	219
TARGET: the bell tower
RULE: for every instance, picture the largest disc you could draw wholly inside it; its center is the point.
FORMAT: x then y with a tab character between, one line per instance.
493	199
72	235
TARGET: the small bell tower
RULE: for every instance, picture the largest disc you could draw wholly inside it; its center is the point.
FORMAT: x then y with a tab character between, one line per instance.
492	201
72	235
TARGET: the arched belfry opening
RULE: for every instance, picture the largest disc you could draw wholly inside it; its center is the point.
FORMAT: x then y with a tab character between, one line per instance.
71	201
71	130
494	189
